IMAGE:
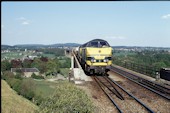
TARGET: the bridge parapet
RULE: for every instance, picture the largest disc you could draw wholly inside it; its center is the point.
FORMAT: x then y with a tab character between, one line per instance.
78	73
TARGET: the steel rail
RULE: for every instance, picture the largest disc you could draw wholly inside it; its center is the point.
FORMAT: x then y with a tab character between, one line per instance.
155	86
134	76
106	78
150	110
119	72
116	91
108	96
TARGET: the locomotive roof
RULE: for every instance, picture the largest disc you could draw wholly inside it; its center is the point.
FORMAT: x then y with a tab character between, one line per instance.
95	40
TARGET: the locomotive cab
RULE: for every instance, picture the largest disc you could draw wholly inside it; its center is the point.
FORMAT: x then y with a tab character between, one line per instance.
96	56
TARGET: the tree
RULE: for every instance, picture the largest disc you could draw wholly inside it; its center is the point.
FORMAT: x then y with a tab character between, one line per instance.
16	63
5	65
44	59
160	64
37	63
66	63
27	63
52	66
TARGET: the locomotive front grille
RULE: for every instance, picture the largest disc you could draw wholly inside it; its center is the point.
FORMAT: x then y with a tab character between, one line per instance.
101	60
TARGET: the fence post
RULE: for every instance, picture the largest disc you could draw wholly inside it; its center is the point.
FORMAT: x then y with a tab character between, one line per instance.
157	76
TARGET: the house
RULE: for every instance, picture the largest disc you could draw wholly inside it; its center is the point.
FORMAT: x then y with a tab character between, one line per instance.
27	71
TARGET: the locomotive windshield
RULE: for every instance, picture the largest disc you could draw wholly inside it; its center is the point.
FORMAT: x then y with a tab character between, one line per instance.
98	44
104	44
94	44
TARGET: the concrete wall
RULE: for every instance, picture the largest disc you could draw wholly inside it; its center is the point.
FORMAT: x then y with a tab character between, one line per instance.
28	74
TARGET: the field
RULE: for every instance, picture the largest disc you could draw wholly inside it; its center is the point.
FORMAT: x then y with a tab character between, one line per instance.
13	103
11	55
48	55
45	88
15	55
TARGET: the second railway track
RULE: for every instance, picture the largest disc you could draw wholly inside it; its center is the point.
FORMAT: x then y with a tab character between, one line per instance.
154	87
122	99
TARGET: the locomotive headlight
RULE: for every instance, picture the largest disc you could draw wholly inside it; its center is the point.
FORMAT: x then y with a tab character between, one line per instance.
93	60
105	60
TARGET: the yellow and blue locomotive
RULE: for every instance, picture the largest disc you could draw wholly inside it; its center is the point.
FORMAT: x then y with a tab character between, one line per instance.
95	56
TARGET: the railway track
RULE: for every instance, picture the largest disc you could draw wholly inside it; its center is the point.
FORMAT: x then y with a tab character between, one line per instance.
119	96
154	87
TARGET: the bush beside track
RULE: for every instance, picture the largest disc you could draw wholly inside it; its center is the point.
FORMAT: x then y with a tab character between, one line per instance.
64	96
67	99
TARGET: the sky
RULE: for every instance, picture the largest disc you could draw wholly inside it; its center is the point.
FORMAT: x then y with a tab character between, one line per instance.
121	23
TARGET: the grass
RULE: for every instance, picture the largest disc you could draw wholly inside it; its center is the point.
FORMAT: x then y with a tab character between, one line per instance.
65	71
14	103
44	88
67	98
49	55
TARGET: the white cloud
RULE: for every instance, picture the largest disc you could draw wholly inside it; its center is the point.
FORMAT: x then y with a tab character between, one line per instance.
23	20
25	23
166	16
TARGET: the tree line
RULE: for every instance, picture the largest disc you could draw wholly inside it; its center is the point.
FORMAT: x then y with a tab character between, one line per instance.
149	60
43	64
160	59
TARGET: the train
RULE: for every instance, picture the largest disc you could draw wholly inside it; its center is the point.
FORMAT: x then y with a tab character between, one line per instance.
95	56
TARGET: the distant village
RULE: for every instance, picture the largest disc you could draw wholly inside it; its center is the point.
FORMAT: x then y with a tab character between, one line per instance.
27	53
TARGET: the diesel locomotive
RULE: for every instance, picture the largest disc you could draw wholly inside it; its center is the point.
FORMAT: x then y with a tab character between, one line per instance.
95	56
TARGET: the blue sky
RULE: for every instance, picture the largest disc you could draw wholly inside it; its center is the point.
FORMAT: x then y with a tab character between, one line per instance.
121	23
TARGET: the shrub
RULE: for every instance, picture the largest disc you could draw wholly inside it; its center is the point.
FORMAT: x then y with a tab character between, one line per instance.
18	76
36	77
24	87
67	98
27	88
7	74
15	84
38	99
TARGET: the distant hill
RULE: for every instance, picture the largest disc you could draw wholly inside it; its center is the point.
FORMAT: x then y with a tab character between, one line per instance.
50	45
6	46
65	45
68	45
41	45
27	45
